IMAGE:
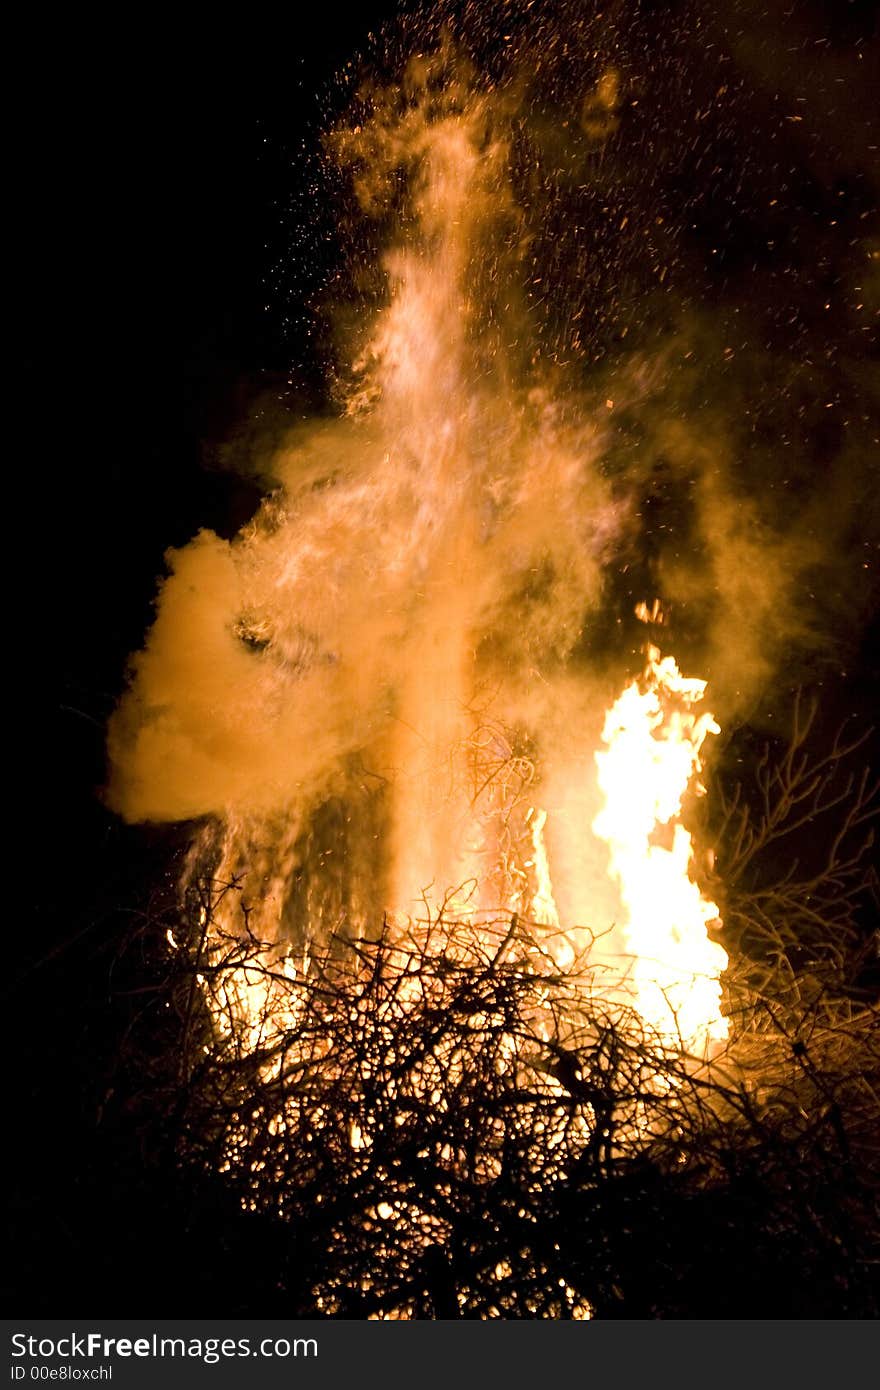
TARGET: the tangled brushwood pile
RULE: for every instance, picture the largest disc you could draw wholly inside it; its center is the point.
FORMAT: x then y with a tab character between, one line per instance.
440	1123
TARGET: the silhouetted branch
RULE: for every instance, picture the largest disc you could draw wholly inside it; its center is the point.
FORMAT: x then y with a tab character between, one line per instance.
446	1123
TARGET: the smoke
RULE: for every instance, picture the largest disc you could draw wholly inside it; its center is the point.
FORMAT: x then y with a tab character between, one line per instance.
541	423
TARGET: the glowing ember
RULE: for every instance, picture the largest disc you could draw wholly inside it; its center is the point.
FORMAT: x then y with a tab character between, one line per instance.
651	759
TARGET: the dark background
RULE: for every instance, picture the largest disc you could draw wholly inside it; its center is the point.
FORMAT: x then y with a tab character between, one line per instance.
169	245
156	173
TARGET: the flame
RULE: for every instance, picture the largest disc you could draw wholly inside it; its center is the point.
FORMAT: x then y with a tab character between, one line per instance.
320	684
649	764
653	739
653	736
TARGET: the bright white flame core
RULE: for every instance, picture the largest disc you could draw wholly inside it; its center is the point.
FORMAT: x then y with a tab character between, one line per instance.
650	761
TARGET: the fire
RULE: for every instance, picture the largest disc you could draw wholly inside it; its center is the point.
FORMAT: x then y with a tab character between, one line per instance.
670	967
653	739
438	862
377	697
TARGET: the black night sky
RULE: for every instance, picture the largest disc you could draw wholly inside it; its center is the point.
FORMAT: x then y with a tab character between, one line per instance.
177	244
